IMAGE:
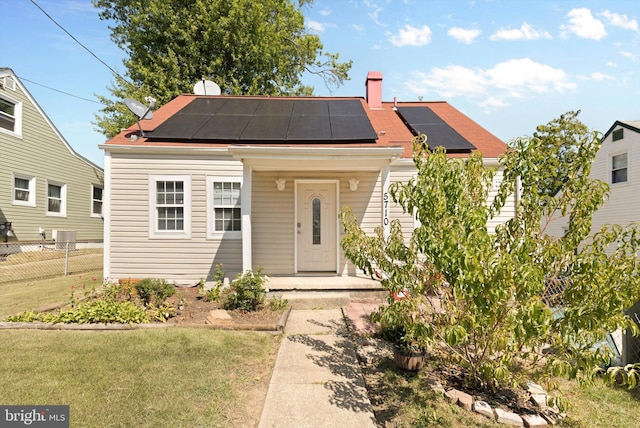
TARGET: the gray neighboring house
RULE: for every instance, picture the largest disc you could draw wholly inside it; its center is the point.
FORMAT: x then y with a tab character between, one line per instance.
45	186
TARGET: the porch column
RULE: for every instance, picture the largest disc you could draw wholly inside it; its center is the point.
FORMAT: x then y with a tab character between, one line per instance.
386	200
246	217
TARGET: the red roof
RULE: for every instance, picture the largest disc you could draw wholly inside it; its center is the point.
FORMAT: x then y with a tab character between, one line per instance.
388	125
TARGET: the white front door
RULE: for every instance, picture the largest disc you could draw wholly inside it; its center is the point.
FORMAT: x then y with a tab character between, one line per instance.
316	226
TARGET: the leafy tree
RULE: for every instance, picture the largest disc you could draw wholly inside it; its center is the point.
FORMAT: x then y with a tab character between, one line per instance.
247	47
483	300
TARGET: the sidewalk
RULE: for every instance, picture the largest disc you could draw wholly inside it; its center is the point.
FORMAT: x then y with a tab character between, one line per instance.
316	381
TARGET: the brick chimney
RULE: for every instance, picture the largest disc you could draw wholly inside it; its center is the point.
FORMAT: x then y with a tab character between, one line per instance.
374	89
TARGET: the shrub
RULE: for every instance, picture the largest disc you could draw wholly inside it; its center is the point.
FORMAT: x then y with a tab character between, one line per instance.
213	294
153	291
247	292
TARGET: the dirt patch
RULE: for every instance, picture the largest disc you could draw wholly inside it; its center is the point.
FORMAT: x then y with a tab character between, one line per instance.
194	310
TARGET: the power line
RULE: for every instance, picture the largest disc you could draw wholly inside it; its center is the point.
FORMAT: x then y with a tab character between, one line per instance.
58	90
78	42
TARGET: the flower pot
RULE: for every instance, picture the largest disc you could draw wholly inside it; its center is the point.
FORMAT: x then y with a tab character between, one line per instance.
408	360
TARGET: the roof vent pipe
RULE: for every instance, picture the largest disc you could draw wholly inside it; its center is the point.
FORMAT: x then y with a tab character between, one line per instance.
374	89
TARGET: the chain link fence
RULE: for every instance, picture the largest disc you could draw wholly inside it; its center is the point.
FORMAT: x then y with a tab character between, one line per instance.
626	345
22	262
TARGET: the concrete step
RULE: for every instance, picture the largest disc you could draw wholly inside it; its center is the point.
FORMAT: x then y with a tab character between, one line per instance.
324	299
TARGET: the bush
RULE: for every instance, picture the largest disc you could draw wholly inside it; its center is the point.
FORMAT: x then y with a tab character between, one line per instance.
247	292
153	291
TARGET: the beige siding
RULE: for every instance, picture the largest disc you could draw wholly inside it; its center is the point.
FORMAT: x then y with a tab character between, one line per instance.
273	214
43	154
133	254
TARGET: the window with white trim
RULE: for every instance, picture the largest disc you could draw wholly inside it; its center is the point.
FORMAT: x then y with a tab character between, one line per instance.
10	116
170	206
619	168
56	199
96	200
224	199
24	190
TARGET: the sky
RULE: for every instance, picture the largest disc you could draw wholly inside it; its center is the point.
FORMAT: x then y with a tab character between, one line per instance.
510	65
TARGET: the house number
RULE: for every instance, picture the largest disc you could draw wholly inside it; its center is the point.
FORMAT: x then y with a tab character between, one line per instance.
385	216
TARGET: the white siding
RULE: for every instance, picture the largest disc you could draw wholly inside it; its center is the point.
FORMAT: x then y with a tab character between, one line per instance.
623	205
133	254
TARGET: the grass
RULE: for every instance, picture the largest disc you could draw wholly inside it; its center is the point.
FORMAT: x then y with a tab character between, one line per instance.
31	295
143	378
34	265
409	402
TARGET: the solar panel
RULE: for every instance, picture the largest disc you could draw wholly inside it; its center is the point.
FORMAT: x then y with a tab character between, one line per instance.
268	120
423	120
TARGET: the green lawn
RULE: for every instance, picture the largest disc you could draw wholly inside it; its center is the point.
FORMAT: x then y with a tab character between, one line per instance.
31	295
143	378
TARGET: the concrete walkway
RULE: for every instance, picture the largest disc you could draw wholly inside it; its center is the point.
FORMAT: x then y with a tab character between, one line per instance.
316	380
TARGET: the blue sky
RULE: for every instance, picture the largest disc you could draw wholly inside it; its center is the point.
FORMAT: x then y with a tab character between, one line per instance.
510	65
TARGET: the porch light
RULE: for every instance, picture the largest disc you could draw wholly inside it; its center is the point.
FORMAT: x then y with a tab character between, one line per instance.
353	184
281	184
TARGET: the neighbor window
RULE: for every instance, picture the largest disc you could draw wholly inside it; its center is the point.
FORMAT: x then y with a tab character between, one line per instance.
618	134
56	199
24	190
170	206
96	200
619	168
224	199
10	116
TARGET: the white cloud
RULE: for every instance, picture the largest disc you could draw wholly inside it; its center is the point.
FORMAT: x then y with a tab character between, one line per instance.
411	36
316	26
325	12
596	75
525	32
463	35
374	11
621	21
583	24
494	87
631	55
357	27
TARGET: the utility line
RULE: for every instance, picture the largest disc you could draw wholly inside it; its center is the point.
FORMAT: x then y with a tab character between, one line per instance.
58	90
78	42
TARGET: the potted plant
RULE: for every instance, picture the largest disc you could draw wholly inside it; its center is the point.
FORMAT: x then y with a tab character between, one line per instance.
408	354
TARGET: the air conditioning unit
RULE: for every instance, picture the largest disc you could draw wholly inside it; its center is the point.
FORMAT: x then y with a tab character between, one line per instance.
65	239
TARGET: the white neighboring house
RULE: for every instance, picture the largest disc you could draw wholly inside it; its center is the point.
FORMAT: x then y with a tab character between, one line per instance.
616	163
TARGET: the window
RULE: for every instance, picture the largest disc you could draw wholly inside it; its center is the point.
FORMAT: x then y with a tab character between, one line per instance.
10	116
170	206
96	200
224	200
619	168
317	221
24	190
56	199
618	134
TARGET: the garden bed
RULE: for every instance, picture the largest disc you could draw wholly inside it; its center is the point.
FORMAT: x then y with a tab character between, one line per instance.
191	310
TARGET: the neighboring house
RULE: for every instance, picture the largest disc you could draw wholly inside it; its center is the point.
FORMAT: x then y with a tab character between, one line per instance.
616	163
45	186
252	182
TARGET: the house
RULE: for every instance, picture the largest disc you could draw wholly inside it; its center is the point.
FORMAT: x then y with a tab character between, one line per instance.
616	163
45	186
250	182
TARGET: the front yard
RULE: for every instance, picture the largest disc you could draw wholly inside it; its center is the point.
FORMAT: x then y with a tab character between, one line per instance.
144	378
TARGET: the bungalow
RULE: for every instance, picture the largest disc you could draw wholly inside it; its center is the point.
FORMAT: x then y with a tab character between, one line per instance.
258	181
